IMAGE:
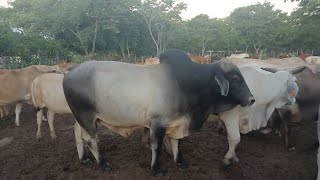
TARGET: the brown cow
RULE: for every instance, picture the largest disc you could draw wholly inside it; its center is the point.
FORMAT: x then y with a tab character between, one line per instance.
199	59
306	107
63	66
150	61
15	84
304	56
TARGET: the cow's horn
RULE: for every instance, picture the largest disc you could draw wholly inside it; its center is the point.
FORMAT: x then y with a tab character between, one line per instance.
273	70
297	69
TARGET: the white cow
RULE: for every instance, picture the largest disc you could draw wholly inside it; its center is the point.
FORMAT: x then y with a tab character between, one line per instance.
239	56
313	60
47	91
271	90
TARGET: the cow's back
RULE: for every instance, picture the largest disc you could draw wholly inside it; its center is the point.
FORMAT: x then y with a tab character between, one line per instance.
113	101
47	92
15	84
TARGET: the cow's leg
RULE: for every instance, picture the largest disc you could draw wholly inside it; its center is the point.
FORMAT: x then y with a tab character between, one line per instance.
88	138
2	111
285	130
82	149
92	142
232	126
167	145
39	122
45	118
51	126
17	111
6	110
80	144
145	140
157	133
221	127
177	156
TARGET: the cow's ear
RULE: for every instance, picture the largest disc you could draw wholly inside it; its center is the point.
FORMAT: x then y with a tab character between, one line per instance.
223	83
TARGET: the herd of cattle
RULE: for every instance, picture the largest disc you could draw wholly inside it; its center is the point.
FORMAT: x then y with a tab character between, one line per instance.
169	97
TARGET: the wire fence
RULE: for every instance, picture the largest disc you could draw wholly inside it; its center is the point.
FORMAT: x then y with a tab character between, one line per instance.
7	62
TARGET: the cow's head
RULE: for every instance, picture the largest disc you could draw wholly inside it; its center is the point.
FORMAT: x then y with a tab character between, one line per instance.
292	88
232	84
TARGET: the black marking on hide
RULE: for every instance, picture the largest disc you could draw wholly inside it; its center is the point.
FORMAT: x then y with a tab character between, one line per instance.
199	88
78	89
179	160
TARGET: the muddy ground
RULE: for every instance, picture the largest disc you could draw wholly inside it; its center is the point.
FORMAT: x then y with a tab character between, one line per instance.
261	156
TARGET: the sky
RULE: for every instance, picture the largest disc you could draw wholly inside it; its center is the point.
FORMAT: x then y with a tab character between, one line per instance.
223	8
220	8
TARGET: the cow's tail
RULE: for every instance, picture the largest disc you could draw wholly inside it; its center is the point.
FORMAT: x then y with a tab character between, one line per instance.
70	69
33	94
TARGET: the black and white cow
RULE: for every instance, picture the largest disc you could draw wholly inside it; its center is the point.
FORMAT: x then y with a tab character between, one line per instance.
169	98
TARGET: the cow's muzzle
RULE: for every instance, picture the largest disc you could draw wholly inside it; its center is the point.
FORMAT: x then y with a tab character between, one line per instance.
251	100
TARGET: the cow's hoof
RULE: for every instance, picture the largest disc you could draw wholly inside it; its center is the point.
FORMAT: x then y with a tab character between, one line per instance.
39	137
105	165
157	173
225	164
54	136
18	124
86	161
235	159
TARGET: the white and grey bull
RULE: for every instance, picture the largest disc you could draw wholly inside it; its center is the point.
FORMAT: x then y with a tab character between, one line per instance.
271	90
169	98
47	91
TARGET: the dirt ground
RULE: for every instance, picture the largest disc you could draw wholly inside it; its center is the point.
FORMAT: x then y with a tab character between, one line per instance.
261	156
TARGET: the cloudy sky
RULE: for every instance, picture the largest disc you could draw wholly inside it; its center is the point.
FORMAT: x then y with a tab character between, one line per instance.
220	8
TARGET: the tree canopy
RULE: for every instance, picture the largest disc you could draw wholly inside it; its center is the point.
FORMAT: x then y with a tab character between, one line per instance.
128	30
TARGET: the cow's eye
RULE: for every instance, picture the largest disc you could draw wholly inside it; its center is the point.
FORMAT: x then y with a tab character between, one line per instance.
235	78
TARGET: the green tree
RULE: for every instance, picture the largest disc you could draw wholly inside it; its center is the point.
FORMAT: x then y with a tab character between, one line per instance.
158	16
305	24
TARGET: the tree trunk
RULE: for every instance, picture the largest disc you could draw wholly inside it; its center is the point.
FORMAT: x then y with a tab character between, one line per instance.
77	34
121	45
128	51
94	37
203	49
256	48
151	34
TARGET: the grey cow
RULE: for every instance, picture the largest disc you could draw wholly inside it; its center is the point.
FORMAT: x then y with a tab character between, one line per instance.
169	98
